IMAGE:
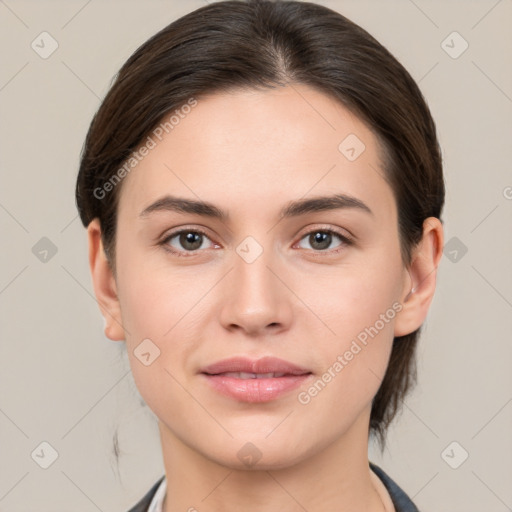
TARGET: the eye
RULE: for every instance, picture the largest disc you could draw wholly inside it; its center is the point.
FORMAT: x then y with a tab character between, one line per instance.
189	241
185	240
321	239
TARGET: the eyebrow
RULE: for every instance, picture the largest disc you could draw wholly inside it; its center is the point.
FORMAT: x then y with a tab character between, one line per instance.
292	209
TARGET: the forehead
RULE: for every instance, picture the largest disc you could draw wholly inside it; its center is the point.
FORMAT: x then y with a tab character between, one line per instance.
250	148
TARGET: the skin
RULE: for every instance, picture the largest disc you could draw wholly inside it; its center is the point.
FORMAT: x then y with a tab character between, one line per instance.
250	153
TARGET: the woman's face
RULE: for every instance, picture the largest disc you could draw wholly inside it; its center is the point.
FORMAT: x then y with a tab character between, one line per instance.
318	288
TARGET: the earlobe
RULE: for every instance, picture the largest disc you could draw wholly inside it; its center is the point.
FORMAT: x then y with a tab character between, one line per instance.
104	283
421	282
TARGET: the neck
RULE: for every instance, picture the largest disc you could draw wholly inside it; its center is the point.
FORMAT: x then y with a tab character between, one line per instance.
336	477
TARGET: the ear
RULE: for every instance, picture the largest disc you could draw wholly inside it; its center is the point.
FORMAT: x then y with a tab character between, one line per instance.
420	284
104	283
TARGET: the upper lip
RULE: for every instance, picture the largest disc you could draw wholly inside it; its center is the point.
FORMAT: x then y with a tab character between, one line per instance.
263	365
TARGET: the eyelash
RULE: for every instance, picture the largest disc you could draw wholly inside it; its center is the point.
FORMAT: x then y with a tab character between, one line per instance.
346	242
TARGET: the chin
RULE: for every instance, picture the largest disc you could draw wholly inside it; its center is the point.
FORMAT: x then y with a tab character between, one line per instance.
258	455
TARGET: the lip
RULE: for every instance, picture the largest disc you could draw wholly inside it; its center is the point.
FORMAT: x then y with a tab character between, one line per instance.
254	389
263	365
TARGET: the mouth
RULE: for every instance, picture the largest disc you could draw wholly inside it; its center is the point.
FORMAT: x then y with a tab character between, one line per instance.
263	366
255	381
247	375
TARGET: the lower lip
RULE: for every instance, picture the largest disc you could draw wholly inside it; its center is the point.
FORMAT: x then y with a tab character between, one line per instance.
255	390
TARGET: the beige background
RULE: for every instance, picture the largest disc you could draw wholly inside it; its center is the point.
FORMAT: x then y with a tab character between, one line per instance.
64	382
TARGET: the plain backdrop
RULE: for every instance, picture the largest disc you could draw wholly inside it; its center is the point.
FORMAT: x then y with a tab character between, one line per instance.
64	384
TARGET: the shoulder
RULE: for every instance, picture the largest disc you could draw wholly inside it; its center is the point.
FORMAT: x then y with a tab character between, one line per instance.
400	500
143	504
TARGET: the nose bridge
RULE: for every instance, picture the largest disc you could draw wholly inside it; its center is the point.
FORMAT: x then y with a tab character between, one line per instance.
252	270
256	298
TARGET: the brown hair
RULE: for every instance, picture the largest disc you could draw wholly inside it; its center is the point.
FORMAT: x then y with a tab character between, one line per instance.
262	44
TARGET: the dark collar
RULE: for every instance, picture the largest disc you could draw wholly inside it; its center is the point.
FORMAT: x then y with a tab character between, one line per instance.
143	504
400	500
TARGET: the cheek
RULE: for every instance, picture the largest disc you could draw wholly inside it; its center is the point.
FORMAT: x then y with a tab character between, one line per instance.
356	310
348	300
155	316
165	305
143	307
152	295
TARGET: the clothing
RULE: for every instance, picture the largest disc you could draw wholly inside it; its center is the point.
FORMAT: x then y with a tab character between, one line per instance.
152	501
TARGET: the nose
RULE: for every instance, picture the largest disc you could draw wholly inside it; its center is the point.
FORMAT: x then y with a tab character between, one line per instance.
255	298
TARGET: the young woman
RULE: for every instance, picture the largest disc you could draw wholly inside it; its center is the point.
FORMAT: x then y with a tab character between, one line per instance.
262	190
